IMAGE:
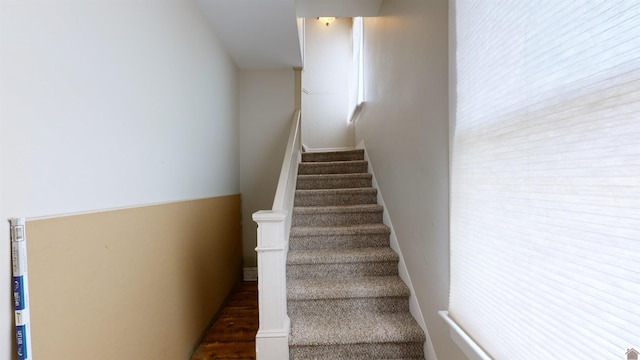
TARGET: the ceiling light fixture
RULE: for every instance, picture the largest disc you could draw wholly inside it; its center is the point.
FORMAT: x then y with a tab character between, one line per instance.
327	20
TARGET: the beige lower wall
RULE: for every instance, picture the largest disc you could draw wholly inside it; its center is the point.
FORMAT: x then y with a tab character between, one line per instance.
139	283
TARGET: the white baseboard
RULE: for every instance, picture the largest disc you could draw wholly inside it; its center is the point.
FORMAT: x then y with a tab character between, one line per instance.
250	274
272	345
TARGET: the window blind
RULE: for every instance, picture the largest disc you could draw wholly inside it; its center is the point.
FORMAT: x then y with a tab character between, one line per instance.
545	178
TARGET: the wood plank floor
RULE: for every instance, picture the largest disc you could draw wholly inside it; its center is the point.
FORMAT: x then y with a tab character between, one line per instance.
232	335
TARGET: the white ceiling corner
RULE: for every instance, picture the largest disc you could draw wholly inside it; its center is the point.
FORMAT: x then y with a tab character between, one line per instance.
337	8
258	34
263	34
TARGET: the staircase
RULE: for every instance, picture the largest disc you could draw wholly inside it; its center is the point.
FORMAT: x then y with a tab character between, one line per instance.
344	296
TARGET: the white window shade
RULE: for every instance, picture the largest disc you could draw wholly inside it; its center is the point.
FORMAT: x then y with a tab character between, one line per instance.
545	196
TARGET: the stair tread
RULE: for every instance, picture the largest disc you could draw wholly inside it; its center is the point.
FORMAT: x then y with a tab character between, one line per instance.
319	156
334	181
335	176
330	163
337	209
333	167
345	288
345	149
338	256
361	229
386	351
354	329
310	192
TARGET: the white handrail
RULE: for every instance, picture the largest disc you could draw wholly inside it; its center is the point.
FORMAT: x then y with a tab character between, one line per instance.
272	340
293	148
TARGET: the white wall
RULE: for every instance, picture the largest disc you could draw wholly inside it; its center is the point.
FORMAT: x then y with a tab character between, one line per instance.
266	99
326	81
109	104
405	129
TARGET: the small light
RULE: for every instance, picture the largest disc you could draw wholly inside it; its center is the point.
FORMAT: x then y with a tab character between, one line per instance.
327	19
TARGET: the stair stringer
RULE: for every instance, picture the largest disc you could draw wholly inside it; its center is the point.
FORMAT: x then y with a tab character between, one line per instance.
414	306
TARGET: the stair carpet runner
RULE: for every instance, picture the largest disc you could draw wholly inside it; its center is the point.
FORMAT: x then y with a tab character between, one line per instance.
345	298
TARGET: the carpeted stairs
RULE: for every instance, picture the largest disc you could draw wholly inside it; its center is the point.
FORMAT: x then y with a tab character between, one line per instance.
345	298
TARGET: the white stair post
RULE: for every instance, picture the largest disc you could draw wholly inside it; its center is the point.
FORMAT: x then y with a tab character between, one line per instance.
272	340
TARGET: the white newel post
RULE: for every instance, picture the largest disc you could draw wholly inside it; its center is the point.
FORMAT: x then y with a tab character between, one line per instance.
272	340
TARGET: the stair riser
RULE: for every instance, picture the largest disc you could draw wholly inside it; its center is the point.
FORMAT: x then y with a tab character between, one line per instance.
332	168
326	242
412	350
333	156
332	183
337	219
338	271
334	199
348	306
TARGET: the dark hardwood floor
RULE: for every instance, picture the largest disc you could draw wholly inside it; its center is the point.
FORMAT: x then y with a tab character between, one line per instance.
232	335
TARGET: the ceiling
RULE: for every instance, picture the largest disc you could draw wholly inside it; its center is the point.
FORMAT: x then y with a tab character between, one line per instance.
263	34
338	8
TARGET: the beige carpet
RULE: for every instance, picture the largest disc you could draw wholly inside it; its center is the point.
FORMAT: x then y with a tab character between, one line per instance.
345	298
